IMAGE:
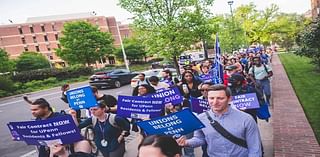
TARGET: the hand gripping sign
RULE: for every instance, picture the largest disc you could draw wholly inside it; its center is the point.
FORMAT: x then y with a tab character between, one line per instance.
175	124
139	107
246	101
81	98
52	131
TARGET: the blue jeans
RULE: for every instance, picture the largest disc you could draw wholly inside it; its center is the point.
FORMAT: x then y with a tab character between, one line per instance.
188	151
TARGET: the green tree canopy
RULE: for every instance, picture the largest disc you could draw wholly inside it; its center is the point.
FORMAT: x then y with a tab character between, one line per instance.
31	61
308	42
6	65
83	43
133	48
167	27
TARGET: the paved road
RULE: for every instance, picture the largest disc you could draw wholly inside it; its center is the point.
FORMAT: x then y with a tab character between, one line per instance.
15	109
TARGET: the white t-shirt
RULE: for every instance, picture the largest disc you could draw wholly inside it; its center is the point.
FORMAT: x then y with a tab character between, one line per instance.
260	72
161	85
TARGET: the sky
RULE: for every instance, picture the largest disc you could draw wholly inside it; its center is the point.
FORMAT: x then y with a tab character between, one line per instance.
19	10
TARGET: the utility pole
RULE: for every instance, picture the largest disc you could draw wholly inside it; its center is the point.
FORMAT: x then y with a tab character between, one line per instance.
232	26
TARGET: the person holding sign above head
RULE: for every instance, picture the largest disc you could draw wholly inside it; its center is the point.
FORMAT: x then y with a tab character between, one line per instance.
227	131
41	110
109	130
143	90
159	146
111	101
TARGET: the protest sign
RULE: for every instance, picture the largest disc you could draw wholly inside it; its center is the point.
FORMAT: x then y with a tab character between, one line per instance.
52	131
139	107
199	105
206	77
246	101
80	98
175	124
169	96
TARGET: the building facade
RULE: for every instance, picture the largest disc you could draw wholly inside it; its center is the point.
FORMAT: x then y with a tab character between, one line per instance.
41	34
315	8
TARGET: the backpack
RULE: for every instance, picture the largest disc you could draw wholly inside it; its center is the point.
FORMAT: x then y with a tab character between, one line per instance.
265	68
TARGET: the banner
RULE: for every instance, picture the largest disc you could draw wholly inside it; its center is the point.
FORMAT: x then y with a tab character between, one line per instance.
52	131
172	95
175	124
139	107
206	77
80	98
246	101
199	105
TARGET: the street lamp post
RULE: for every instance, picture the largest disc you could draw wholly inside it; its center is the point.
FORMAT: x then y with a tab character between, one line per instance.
122	47
232	28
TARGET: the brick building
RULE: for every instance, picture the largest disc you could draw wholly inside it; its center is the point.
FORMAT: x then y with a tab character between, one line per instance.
315	8
41	34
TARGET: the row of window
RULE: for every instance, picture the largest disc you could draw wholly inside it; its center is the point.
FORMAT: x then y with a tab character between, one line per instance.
35	39
32	30
38	49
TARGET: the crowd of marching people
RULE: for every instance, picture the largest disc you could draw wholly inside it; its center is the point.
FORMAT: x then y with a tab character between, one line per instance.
228	131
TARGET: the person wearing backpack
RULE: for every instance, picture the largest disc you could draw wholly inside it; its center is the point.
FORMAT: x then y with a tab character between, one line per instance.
259	74
109	130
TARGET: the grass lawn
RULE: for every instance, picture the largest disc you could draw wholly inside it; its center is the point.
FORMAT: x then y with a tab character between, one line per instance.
306	83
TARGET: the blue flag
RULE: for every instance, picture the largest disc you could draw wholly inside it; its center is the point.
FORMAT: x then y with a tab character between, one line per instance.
175	124
218	68
52	131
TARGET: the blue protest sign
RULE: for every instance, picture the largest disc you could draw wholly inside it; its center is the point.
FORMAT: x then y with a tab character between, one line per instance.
52	131
14	133
206	77
178	123
139	107
169	96
199	105
80	98
246	101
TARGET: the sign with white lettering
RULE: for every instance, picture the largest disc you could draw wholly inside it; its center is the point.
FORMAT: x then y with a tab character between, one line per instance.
52	131
178	123
139	107
199	105
169	96
246	101
80	98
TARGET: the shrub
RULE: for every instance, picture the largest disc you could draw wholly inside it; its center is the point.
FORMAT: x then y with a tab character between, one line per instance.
6	84
60	74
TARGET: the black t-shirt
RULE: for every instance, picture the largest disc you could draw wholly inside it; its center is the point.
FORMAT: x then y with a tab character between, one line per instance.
110	100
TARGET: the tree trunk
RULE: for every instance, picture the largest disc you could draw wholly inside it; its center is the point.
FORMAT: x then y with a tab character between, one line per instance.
205	48
176	65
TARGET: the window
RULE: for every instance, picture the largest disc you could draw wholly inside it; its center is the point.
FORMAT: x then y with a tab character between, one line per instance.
23	40
26	48
37	49
42	29
20	30
49	49
126	35
34	39
31	30
53	28
45	38
59	46
56	36
51	57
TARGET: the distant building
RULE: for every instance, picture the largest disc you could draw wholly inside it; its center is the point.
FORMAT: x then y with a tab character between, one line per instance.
315	8
41	34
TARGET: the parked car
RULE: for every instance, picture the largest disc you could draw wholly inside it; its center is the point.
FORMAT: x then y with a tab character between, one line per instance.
112	78
152	72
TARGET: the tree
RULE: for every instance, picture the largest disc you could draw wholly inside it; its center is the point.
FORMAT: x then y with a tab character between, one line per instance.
133	48
6	65
308	41
31	61
84	43
166	27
